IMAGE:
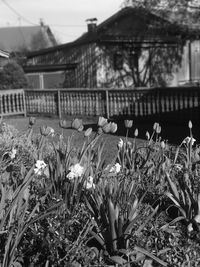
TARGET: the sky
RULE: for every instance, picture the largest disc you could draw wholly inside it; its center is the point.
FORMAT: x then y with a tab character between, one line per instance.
66	18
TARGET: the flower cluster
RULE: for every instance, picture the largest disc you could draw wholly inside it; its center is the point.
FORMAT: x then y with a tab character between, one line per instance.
105	126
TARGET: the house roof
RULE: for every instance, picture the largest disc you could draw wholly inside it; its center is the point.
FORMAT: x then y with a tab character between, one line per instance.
108	30
4	54
19	38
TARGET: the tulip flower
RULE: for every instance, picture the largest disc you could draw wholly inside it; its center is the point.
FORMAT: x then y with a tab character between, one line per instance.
63	124
88	132
136	132
113	127
106	128
190	125
128	123
46	131
32	121
102	121
77	124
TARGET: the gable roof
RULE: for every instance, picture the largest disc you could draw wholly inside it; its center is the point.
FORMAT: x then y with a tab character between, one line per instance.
17	38
4	54
161	26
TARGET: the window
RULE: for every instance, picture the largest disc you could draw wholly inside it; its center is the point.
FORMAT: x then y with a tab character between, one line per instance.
118	61
133	60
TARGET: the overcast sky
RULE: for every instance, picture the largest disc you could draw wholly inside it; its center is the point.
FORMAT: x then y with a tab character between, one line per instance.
66	18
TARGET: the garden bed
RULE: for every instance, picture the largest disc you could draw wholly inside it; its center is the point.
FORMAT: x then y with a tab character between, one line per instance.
72	196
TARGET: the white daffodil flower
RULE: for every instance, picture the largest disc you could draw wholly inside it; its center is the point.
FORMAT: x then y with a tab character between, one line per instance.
88	184
188	139
120	143
116	168
75	171
13	153
40	167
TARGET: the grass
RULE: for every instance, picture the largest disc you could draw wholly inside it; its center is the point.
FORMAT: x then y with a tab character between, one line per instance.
111	141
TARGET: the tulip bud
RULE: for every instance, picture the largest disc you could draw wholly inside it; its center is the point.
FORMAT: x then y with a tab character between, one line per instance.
136	132
158	129
102	121
88	132
162	144
155	126
147	135
190	125
77	124
113	127
128	123
63	124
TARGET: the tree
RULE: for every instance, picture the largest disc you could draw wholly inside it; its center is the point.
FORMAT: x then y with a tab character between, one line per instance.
12	77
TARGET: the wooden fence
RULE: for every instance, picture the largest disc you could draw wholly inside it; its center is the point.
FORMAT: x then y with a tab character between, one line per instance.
12	102
174	104
177	103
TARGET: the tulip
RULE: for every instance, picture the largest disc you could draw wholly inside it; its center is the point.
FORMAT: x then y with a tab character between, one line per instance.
88	132
128	123
136	132
63	124
102	121
46	130
158	129
147	135
162	144
190	125
107	127
77	124
32	121
113	127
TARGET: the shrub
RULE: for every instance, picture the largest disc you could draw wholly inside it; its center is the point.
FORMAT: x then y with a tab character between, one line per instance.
12	77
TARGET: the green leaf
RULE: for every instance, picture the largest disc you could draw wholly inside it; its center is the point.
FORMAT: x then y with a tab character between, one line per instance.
150	255
118	260
173	187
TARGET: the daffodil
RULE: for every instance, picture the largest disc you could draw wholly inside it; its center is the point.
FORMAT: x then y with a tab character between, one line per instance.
189	140
114	169
75	171
13	153
120	143
89	184
39	167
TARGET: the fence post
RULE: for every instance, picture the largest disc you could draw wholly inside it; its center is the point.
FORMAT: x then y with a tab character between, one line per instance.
107	104
59	105
24	103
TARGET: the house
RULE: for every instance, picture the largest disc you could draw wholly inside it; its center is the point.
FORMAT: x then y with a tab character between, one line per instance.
4	57
132	48
26	38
